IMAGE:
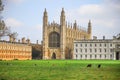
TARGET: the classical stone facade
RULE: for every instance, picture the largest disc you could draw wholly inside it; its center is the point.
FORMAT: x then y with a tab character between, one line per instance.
97	49
15	51
58	38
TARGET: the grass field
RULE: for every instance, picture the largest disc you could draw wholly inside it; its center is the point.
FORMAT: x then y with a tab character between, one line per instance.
60	70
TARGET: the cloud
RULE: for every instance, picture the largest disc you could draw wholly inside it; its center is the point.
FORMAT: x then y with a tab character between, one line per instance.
85	12
13	22
105	17
113	7
39	27
15	1
90	9
102	14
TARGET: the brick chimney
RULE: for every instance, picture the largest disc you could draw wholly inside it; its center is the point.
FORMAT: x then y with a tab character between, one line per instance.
10	38
28	41
23	40
37	42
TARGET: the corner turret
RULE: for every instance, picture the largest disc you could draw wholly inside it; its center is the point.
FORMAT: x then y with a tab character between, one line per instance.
45	38
63	33
45	18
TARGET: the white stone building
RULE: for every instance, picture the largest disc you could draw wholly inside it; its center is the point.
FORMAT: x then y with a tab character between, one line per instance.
97	49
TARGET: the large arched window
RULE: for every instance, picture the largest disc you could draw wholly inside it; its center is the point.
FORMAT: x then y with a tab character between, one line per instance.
54	39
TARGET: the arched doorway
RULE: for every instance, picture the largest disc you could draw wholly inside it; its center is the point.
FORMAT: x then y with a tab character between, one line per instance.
53	56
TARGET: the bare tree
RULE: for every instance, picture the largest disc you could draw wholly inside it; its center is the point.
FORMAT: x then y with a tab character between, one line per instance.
4	30
13	35
1	6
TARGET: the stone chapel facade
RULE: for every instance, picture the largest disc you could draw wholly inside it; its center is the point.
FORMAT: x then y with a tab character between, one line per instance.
58	38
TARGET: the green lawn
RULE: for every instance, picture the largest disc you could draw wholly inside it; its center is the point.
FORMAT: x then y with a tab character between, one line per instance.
60	70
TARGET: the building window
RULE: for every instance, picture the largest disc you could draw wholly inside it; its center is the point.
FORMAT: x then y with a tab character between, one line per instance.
95	50
100	55
86	50
111	50
76	45
100	45
54	39
105	45
81	50
95	45
90	56
100	50
90	50
90	45
81	45
81	56
76	56
104	50
85	45
110	45
111	56
95	56
85	56
76	50
105	56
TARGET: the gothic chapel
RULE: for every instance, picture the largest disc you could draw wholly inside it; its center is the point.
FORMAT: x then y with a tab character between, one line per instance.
58	38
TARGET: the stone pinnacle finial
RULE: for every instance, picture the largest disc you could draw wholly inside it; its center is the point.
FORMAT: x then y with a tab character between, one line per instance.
75	21
89	21
62	12
62	9
45	10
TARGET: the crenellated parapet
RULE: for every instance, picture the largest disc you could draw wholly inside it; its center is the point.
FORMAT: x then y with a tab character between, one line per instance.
53	24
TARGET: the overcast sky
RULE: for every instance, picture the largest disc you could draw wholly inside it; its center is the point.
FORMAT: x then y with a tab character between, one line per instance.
25	16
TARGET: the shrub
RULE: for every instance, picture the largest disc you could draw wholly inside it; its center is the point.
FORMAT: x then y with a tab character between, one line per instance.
15	59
